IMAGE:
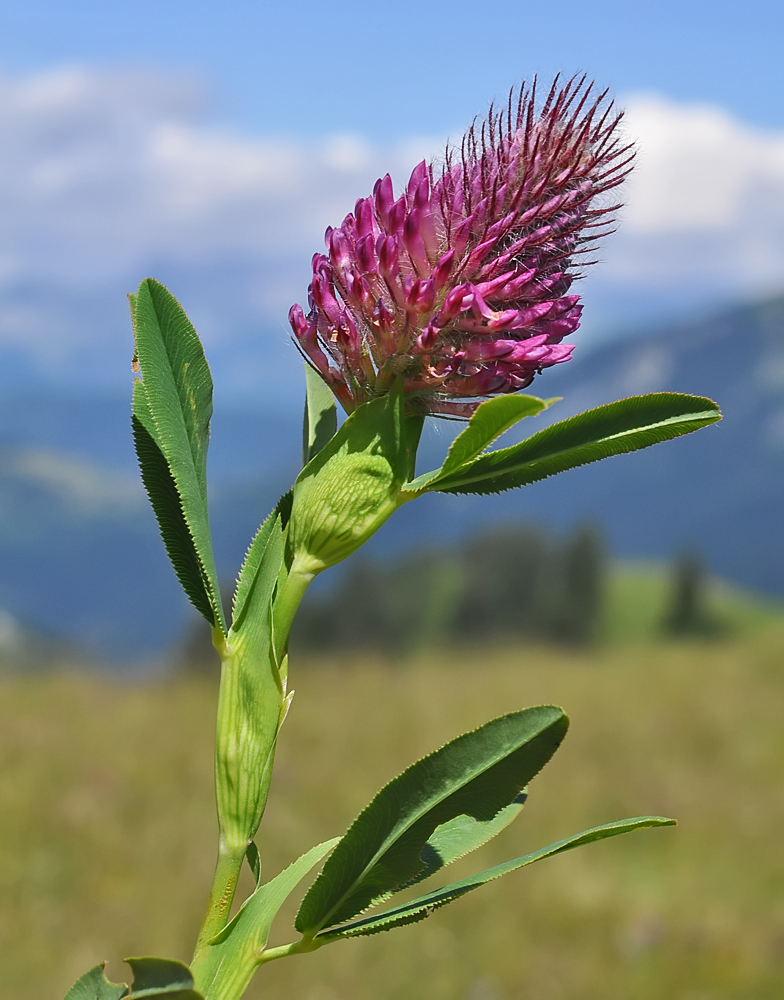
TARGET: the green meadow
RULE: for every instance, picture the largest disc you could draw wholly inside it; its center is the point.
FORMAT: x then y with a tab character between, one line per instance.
107	825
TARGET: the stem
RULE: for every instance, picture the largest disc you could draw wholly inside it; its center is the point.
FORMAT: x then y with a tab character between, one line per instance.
224	884
300	947
286	604
249	714
235	976
249	709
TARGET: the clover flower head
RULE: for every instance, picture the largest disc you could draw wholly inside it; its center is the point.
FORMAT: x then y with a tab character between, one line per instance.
460	285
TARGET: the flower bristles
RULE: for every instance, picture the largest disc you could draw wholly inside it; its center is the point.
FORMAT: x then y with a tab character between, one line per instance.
460	285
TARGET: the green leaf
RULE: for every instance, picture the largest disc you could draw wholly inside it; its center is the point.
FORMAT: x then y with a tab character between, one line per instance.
259	910
478	774
422	907
321	418
94	985
247	581
256	584
463	834
254	861
352	486
162	977
241	942
173	403
162	491
488	422
412	430
624	426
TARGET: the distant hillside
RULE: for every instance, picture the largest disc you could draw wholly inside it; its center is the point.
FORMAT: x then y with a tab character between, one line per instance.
79	553
722	489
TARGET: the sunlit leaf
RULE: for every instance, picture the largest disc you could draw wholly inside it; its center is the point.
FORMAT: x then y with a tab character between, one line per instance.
488	422
463	834
423	906
620	427
173	404
165	500
478	774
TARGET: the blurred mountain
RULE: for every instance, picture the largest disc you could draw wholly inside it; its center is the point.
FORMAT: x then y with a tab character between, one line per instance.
720	490
80	555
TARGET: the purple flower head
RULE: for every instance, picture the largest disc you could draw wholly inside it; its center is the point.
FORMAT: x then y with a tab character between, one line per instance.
460	284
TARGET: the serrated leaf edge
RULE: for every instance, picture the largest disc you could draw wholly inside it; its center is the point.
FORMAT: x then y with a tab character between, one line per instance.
689	422
381	851
210	576
463	886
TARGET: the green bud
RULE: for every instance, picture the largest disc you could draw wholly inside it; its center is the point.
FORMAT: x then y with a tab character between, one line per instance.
351	487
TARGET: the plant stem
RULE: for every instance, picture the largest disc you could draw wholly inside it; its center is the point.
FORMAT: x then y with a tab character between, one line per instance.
295	948
286	604
250	702
249	707
236	975
224	884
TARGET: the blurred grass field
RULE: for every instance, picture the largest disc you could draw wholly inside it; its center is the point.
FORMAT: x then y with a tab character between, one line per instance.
107	826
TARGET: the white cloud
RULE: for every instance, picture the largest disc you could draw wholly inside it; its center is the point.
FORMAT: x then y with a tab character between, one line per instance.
124	165
106	176
705	203
698	168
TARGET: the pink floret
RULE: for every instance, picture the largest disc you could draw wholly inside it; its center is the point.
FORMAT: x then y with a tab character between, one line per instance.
460	284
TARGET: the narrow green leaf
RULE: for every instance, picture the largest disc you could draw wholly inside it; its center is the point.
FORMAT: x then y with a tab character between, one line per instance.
94	985
478	774
321	418
241	942
461	835
176	378
260	909
162	977
246	581
176	535
422	907
256	584
488	422
174	404
624	426
250	567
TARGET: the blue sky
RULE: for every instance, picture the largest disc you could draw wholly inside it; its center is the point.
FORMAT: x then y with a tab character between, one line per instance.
210	145
388	69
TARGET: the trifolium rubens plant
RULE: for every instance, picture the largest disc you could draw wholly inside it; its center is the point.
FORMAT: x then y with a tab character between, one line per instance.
443	299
